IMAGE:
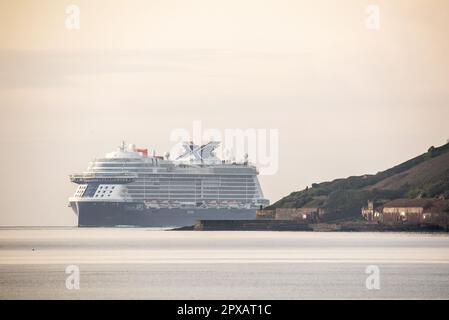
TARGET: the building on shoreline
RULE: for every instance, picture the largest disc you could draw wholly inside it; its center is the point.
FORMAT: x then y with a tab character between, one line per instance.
304	214
408	211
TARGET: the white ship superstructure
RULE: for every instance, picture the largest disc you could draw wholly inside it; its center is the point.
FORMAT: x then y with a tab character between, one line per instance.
160	191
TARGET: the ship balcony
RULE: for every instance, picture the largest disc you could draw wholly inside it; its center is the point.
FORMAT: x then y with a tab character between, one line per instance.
121	178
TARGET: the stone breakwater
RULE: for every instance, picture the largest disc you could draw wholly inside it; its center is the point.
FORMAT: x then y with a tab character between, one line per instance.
291	225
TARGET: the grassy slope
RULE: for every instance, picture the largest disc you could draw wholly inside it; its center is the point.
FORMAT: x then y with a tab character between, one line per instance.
426	175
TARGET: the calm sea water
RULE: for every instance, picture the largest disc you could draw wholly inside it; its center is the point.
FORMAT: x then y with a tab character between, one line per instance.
159	264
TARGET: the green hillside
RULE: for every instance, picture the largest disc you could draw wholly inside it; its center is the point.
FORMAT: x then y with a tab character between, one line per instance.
426	175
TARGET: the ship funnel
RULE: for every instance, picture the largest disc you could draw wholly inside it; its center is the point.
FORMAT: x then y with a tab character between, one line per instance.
144	152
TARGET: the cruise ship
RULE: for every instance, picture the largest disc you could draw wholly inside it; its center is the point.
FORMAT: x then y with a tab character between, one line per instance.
131	187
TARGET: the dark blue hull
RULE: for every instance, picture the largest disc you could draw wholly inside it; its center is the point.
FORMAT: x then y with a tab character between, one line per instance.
111	214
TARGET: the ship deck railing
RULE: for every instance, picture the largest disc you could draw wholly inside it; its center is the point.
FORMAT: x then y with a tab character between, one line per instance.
83	178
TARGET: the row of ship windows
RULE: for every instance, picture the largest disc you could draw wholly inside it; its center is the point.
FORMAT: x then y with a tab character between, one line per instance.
174	181
198	189
194	193
194	177
209	185
152	196
107	164
183	198
209	177
150	168
211	180
240	188
188	192
194	183
106	187
133	186
104	191
167	189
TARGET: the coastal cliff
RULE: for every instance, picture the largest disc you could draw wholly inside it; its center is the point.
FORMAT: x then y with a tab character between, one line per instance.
425	176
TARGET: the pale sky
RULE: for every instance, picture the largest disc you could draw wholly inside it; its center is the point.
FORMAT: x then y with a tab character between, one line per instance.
346	100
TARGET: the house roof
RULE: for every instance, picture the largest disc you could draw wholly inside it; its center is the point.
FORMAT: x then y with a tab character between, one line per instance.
428	204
